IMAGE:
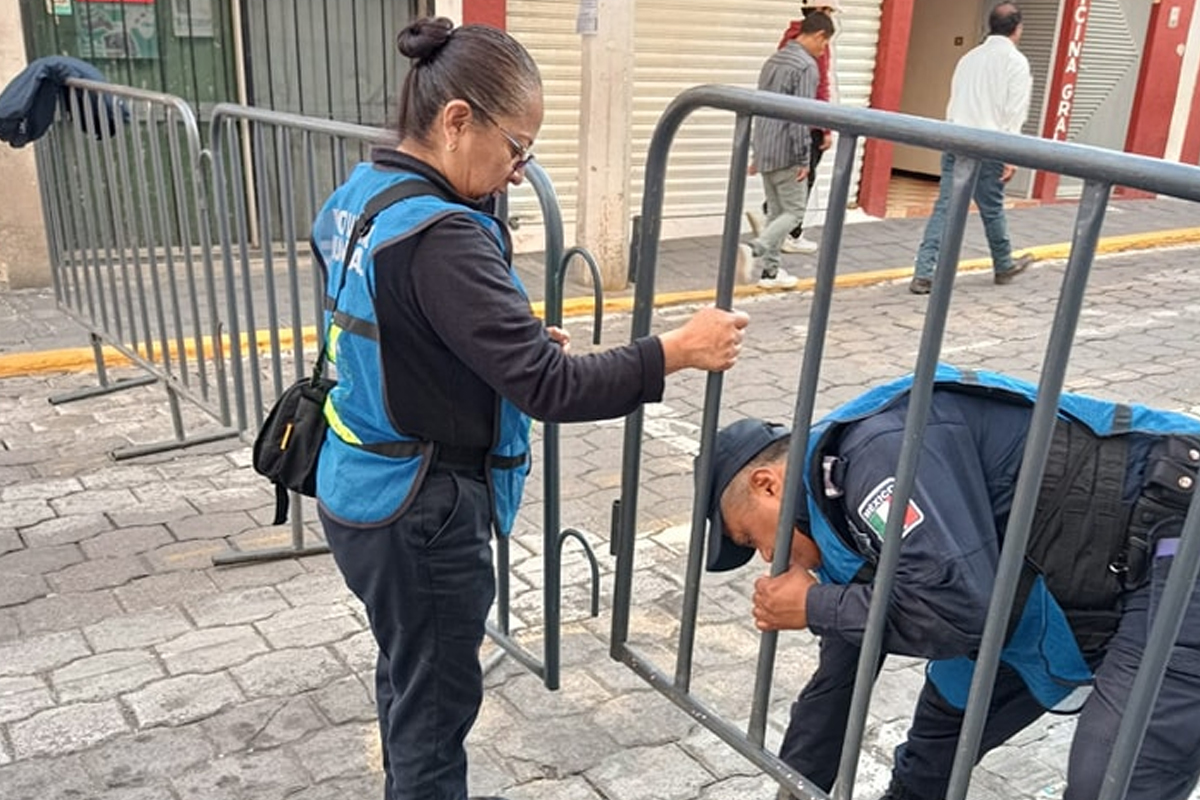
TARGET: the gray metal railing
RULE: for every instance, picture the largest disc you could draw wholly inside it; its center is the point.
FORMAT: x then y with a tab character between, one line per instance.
1101	170
127	188
123	179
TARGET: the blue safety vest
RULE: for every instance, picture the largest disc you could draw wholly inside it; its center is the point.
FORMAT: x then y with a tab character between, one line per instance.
369	470
1041	648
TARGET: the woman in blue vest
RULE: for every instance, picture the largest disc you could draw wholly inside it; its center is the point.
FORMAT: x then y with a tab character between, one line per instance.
1109	513
440	365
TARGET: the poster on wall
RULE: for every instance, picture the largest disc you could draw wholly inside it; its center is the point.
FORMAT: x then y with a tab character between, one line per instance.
192	18
126	29
59	8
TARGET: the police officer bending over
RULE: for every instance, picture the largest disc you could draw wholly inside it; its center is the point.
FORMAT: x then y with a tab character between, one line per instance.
1109	514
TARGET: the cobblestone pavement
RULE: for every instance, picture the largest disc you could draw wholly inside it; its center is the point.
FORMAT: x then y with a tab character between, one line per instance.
131	668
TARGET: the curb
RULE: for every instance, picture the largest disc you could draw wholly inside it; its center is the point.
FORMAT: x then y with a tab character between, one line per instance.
80	359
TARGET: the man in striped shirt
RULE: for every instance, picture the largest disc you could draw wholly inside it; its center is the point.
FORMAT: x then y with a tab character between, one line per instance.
781	151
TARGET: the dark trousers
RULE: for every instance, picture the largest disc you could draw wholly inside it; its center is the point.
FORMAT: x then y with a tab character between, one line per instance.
427	583
1167	765
814	160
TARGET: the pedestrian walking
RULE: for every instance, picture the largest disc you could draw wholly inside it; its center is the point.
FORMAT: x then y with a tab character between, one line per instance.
440	365
1110	510
990	90
781	152
822	139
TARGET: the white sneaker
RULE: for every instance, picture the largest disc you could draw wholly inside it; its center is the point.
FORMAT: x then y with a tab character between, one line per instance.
798	244
758	223
745	264
781	280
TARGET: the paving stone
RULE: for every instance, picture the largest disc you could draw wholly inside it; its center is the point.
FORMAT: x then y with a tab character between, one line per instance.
337	752
268	773
326	586
130	762
241	499
183	699
233	608
66	729
10	540
22	696
41	490
345	700
126	541
133	631
61	612
17	589
260	724
100	500
23	513
213	525
152	513
9	630
194	554
65	530
39	560
653	773
309	626
287	672
101	573
10	475
362	786
106	675
121	476
210	649
40	653
360	651
164	589
19	456
551	747
266	573
47	779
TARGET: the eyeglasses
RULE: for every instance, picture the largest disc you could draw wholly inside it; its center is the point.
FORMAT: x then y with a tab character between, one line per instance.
519	151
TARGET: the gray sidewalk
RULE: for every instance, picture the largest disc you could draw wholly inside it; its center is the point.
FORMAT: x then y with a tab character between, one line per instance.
132	669
29	322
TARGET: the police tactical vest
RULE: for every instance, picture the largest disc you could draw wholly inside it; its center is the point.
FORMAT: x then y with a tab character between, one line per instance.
369	469
1042	643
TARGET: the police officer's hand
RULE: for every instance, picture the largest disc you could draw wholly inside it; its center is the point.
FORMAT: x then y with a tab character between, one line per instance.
781	603
711	340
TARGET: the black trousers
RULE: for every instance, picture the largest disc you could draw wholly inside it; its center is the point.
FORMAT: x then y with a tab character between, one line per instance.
1167	765
427	582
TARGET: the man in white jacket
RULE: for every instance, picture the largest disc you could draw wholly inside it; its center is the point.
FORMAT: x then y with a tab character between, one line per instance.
990	90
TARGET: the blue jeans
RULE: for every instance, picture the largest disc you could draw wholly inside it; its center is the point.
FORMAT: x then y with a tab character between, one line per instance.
427	583
786	202
989	197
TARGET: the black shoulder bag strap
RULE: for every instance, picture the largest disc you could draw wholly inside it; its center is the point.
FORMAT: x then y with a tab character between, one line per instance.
388	197
385	199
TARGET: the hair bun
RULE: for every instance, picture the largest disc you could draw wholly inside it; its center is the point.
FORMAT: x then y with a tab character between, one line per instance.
423	39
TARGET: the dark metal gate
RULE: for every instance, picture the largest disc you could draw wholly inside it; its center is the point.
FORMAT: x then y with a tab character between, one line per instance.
1100	170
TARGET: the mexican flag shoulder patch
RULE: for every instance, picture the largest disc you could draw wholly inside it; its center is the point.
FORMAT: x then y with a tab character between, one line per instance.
875	509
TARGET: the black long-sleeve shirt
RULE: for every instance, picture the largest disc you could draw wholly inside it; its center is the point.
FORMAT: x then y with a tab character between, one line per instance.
454	331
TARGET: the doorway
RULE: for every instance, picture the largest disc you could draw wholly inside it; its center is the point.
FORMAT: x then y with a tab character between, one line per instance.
942	32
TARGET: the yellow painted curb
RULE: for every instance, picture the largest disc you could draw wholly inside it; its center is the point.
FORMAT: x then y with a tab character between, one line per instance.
76	359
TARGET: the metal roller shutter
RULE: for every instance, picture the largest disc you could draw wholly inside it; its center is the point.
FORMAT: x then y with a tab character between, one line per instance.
679	44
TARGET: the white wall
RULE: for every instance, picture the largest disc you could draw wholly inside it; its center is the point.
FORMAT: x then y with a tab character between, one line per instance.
23	258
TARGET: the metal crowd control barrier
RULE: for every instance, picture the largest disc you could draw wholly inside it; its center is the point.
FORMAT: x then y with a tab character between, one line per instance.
127	221
274	308
1101	170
